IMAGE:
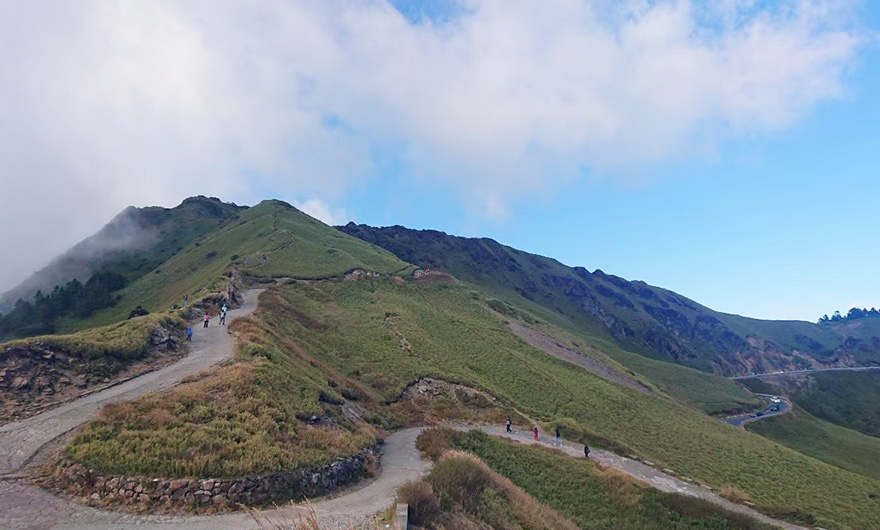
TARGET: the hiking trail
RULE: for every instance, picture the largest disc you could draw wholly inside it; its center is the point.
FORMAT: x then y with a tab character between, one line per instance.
24	506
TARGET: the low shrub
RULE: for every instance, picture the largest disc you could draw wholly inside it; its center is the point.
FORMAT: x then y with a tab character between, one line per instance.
424	505
432	443
734	494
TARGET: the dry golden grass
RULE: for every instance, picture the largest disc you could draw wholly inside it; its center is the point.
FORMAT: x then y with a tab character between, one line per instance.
300	521
487	496
734	494
235	420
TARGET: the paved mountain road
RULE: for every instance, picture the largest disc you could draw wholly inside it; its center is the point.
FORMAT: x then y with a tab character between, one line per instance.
740	420
778	375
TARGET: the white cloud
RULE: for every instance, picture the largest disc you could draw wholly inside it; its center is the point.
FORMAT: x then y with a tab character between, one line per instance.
323	212
106	104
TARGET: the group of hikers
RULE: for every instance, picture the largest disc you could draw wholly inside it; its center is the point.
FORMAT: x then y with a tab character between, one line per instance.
206	320
508	425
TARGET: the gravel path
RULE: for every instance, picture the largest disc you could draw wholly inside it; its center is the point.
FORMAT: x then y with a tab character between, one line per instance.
32	508
20	440
639	471
27	507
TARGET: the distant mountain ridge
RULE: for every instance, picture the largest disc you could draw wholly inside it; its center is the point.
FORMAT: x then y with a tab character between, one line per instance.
132	244
164	253
640	317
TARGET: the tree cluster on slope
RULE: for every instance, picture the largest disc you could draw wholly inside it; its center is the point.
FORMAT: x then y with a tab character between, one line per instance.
852	314
77	299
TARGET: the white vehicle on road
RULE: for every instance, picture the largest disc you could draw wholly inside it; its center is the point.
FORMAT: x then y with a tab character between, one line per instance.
775	399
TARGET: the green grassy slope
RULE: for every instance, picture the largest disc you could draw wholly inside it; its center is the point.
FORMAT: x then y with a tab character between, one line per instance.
451	335
293	243
639	317
830	443
382	334
591	497
863	335
132	244
847	399
120	341
242	419
711	393
708	392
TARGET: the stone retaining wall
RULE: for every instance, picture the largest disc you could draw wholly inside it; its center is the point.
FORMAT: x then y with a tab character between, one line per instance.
102	489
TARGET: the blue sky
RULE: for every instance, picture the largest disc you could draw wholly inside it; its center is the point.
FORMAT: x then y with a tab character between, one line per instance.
725	150
779	225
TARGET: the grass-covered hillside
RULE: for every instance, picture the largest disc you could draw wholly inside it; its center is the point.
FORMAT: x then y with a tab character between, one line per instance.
713	394
272	409
639	317
381	334
272	239
830	443
461	492
847	399
589	497
132	244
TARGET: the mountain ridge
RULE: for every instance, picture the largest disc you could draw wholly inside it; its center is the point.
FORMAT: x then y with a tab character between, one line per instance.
133	243
647	319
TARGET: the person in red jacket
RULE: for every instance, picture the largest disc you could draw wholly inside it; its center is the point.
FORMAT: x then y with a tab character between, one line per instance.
207	318
536	433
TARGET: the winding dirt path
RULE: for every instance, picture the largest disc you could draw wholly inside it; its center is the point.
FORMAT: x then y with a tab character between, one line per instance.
639	471
24	506
20	441
32	508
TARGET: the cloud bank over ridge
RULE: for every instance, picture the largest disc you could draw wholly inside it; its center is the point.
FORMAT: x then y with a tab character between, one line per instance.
106	104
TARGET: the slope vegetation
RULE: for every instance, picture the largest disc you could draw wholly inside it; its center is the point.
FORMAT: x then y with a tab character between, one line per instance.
132	244
589	496
639	317
269	240
820	439
39	372
380	335
847	399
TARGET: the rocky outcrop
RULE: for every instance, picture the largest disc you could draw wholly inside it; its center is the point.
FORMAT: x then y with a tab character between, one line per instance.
164	494
37	374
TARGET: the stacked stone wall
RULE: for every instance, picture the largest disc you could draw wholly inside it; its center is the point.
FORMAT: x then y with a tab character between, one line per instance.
105	489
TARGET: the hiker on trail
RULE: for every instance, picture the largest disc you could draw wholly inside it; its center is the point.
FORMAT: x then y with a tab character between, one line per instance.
507	424
536	433
207	318
189	333
586	451
557	435
185	299
223	316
